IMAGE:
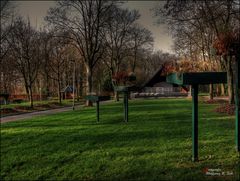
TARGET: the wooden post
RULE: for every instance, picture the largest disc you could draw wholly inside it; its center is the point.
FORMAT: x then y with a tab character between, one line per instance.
195	123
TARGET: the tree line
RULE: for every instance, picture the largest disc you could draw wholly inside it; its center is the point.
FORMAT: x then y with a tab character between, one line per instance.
98	38
197	26
101	38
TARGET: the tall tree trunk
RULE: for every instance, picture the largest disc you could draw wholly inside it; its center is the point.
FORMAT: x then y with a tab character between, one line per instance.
222	90
89	85
27	91
59	92
218	90
211	91
228	61
77	89
80	87
116	96
134	61
31	96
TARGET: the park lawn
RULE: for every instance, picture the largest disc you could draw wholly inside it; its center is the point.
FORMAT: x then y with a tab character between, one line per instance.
154	145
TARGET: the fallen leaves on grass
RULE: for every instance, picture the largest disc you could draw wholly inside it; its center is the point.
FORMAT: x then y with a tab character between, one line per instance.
8	110
215	101
26	108
226	108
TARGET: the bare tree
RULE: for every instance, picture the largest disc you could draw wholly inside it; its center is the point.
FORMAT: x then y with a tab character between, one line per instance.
142	40
56	62
7	10
47	48
198	24
84	21
117	38
8	74
26	52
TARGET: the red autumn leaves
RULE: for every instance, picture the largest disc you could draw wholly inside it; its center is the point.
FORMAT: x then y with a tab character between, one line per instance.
226	108
123	78
227	43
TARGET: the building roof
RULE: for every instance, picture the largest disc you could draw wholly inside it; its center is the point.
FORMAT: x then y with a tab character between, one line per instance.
156	78
68	89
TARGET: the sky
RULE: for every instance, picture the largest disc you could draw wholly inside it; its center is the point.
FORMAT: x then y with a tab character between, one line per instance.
37	10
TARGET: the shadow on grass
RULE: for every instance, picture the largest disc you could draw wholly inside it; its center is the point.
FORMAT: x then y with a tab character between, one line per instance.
155	144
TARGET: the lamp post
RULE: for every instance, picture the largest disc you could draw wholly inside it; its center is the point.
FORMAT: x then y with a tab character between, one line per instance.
40	90
73	87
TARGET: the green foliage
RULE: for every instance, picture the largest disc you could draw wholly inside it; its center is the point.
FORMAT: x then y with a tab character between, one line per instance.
154	145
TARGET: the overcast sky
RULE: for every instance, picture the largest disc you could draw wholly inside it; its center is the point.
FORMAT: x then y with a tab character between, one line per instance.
37	10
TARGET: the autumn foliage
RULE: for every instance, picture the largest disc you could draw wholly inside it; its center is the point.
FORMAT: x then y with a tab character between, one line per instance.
123	78
168	68
226	108
227	43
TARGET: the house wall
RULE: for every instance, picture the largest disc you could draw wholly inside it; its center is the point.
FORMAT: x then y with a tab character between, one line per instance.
163	84
162	88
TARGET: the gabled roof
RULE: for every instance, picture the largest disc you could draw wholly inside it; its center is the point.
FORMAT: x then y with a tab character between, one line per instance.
68	88
156	78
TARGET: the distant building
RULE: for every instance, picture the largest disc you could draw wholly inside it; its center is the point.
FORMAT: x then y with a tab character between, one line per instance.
158	87
67	92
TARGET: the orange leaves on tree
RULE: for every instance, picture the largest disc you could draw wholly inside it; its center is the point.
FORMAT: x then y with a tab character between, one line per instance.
168	68
185	66
226	43
123	78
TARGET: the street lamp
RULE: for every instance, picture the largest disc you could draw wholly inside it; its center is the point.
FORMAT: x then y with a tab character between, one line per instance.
73	87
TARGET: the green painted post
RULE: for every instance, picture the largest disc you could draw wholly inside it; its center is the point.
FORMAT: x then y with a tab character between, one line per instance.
97	102
195	122
237	102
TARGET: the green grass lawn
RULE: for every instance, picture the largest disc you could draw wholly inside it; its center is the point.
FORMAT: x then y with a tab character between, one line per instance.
154	145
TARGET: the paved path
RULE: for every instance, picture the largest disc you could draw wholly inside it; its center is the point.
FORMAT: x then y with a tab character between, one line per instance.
34	114
41	113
